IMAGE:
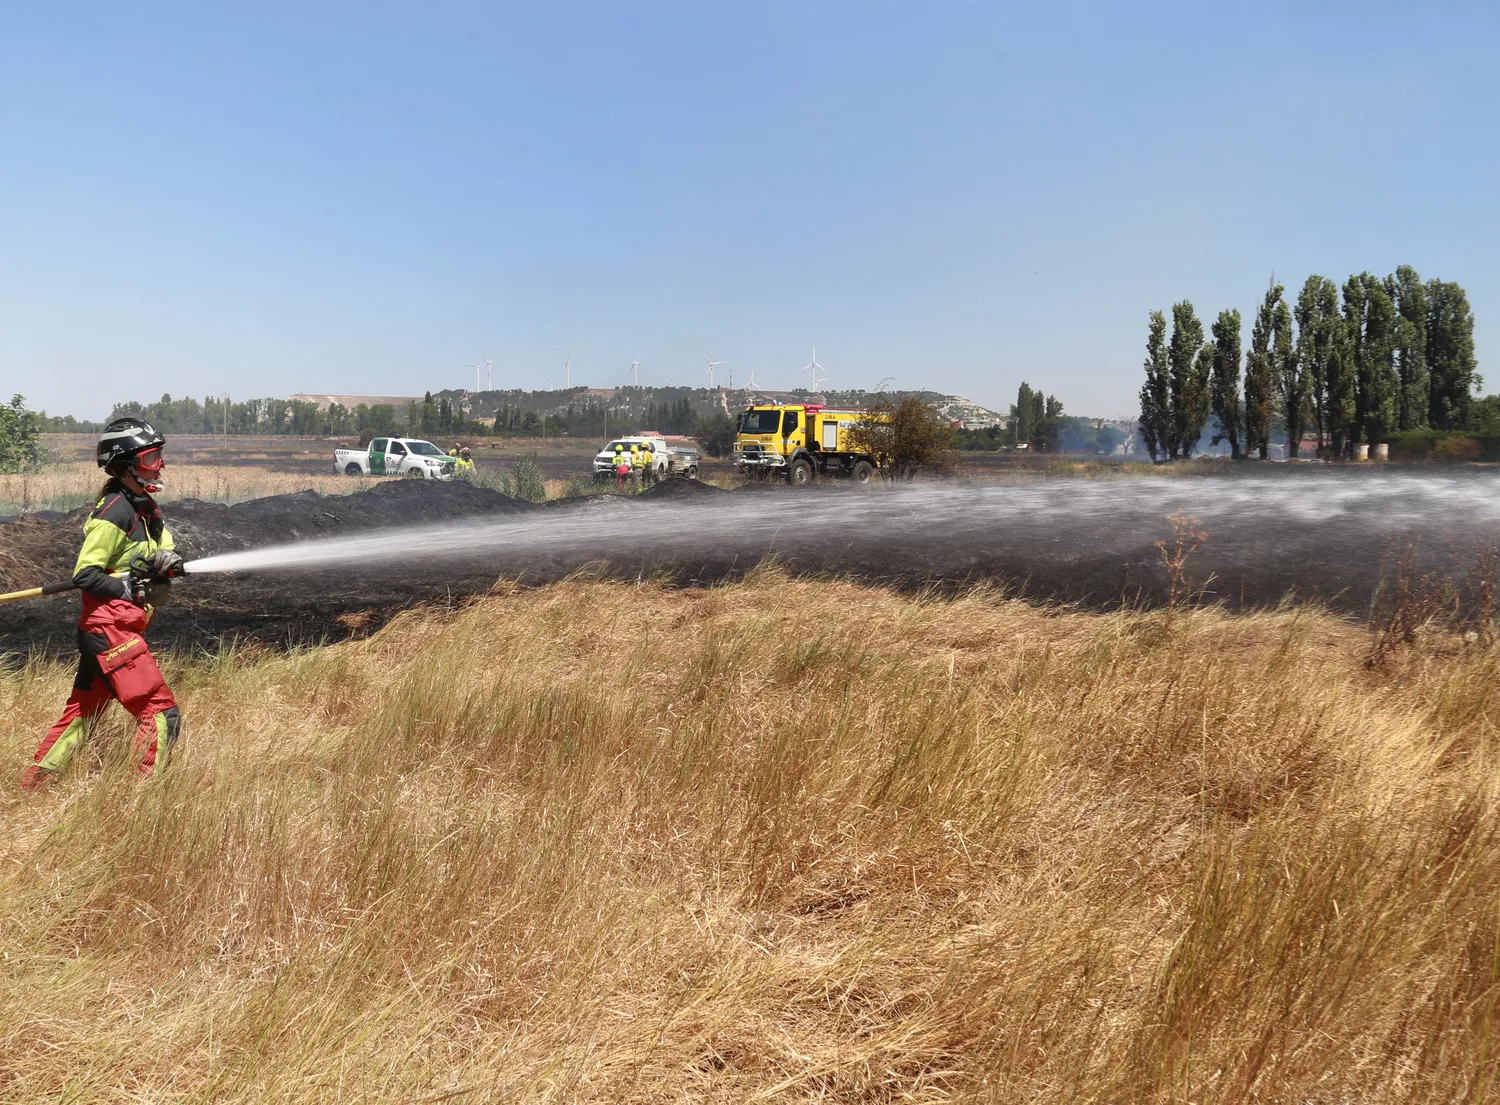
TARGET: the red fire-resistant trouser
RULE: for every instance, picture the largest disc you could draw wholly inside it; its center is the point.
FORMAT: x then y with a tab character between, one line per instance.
114	664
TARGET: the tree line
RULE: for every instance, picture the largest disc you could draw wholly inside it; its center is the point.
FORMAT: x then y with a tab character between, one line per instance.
432	415
437	415
1377	357
1037	422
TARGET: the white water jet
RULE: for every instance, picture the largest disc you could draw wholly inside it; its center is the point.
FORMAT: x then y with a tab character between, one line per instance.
1073	517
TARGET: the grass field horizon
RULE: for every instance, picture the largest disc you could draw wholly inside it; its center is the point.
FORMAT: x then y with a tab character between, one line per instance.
818	842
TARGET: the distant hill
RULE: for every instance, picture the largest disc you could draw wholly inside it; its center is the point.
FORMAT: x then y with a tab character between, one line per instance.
349	402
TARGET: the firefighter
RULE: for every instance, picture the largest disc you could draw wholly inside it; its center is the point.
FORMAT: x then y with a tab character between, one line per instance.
463	467
622	466
648	469
124	534
635	461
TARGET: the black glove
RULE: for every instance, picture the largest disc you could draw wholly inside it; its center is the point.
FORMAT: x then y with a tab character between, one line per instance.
166	563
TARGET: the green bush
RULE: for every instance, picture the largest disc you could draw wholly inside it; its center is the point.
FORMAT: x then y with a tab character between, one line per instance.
715	432
1413	444
1444	445
522	480
20	438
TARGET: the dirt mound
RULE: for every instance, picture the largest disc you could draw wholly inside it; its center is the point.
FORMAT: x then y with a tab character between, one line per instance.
679	487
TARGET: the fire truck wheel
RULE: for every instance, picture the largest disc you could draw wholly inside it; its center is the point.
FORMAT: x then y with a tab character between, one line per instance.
801	472
862	472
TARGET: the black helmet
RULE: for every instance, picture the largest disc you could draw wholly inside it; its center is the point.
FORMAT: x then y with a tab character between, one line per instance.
124	438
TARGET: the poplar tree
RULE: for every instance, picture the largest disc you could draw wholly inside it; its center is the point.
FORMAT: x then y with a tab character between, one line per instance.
1156	407
1203	375
1260	375
1189	390
1026	414
1340	412
1225	385
1353	349
1450	355
1318	331
1292	378
1375	384
1407	290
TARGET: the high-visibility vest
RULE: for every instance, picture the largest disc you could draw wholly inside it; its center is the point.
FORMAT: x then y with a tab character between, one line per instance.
636	460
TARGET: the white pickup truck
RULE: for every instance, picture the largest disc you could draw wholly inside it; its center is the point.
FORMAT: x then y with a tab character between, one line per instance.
395	456
661	456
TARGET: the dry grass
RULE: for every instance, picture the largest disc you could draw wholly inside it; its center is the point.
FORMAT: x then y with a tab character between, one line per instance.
67	486
818	843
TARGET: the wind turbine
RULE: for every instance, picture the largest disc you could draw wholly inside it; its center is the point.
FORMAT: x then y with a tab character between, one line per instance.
753	384
813	369
635	372
489	368
711	366
568	372
476	366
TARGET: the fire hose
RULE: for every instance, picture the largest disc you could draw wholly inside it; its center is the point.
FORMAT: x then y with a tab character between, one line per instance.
140	571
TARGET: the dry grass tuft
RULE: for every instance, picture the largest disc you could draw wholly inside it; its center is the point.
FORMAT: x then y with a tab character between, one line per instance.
68	486
816	843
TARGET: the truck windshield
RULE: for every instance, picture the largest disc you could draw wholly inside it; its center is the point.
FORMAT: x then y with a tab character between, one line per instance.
760	422
426	449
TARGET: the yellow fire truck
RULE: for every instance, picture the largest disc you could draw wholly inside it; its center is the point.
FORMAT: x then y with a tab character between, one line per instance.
800	442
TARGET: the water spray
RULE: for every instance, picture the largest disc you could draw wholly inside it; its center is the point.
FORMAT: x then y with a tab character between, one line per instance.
1323	534
1046	523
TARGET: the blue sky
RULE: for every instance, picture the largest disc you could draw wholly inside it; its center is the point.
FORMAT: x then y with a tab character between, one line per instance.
368	197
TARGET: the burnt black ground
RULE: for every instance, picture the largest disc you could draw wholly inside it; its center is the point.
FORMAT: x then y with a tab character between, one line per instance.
275	610
1315	533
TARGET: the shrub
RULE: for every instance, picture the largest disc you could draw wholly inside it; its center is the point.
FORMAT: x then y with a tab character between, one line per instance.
20	438
1456	448
1412	444
715	432
906	436
524	480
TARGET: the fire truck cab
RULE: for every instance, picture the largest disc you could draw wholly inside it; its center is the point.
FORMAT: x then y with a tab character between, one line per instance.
800	442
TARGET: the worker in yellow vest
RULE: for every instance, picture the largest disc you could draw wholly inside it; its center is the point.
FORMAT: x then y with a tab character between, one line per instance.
648	467
622	466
